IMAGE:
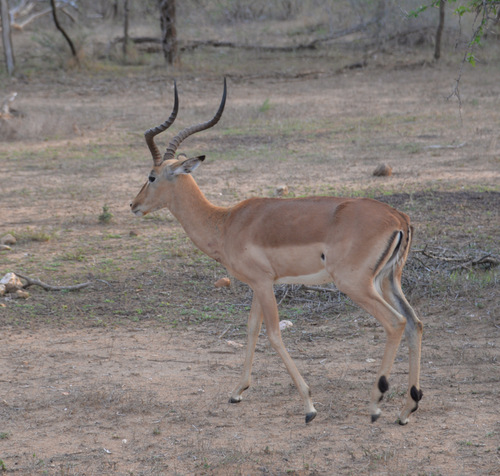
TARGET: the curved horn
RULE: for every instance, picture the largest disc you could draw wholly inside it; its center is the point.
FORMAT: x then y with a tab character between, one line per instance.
151	133
174	144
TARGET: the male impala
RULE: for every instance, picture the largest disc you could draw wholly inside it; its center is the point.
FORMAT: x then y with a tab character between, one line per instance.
359	244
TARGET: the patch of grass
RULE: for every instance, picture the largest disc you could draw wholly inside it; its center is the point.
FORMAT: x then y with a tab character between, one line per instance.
31	234
377	457
476	278
53	266
76	255
111	236
106	216
266	105
469	443
411	148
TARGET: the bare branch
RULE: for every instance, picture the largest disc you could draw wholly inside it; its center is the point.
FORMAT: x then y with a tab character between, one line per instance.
19	24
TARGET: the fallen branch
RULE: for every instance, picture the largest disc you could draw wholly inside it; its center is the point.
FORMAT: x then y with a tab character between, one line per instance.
427	254
49	287
463	262
191	45
320	289
488	261
458	146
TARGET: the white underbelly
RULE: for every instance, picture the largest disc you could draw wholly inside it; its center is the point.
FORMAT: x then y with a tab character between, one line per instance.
322	277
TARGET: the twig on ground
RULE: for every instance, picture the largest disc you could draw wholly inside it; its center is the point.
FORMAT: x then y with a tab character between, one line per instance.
49	287
104	281
487	260
465	261
226	330
313	288
285	294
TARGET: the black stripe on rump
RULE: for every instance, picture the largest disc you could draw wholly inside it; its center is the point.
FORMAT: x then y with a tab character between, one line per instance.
383	256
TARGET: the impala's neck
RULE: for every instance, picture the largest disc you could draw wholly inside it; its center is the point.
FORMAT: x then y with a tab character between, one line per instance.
202	221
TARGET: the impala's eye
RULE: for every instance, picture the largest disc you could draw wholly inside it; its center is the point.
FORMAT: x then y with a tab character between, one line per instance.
152	178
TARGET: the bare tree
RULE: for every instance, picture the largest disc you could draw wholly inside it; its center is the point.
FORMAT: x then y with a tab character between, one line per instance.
168	30
6	37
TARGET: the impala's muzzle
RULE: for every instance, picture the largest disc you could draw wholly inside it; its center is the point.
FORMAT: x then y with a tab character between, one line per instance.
135	209
138	213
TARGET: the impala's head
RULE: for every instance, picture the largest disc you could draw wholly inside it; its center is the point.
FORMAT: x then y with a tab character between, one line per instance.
155	193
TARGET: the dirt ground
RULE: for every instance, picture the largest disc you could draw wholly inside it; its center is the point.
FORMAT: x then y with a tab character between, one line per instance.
132	374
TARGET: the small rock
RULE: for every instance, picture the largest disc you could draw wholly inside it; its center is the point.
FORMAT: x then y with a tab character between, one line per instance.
382	170
8	239
12	282
233	344
133	233
285	325
5	248
20	294
223	283
281	191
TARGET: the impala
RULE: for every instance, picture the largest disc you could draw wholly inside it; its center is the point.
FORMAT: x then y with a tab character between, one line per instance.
359	244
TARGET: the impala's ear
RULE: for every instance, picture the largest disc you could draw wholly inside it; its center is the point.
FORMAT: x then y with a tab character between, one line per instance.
186	165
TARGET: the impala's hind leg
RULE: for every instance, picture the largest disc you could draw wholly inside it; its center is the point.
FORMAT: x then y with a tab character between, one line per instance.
365	294
392	292
253	328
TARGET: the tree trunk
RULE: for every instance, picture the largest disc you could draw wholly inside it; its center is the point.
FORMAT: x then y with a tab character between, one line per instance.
6	37
168	30
61	29
125	28
380	17
439	32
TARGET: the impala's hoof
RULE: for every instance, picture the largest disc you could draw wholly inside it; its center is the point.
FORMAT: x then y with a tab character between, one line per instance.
376	416
235	400
310	416
402	421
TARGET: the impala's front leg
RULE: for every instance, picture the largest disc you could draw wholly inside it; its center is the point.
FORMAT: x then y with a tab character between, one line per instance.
253	328
265	295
